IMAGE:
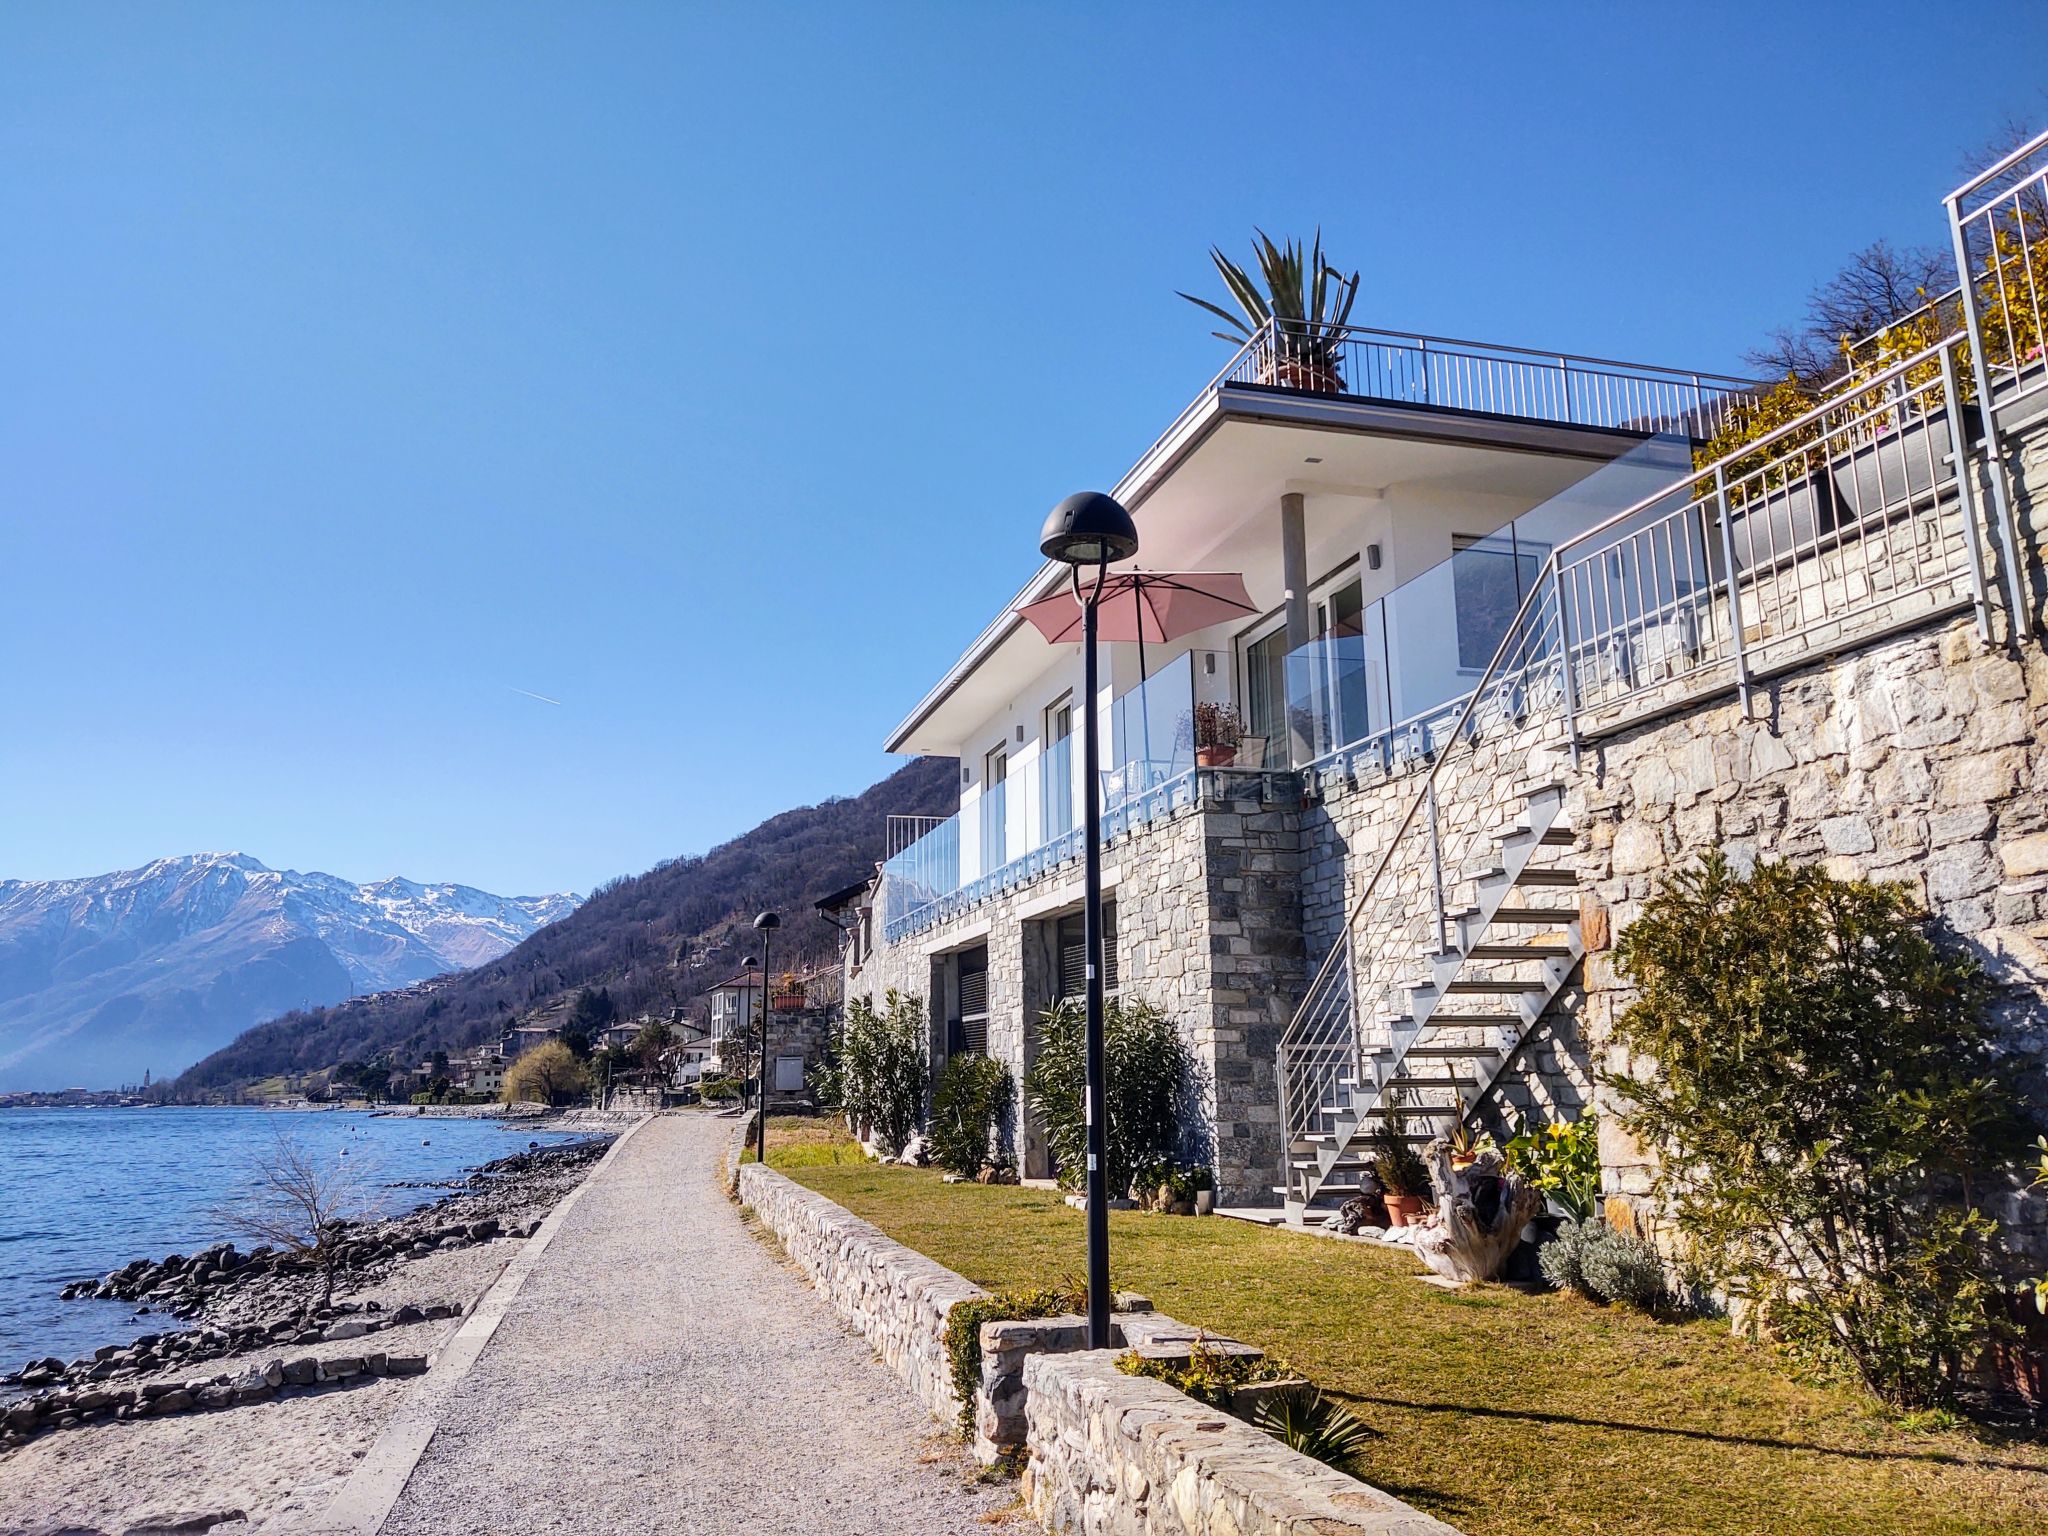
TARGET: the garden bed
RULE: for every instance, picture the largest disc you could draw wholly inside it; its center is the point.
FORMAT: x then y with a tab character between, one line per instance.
1498	1412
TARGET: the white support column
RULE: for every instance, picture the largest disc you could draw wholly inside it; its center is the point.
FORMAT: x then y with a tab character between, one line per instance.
1294	572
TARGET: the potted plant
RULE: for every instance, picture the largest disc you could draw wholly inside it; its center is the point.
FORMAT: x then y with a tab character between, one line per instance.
789	994
1401	1171
1466	1145
1305	303
1203	1183
1219	728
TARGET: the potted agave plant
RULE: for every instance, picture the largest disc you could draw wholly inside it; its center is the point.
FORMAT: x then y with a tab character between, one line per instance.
1304	300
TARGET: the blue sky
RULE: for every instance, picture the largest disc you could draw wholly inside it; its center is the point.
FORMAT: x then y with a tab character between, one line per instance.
709	368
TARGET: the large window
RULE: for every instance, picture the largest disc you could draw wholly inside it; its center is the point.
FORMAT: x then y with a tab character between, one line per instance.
1490	576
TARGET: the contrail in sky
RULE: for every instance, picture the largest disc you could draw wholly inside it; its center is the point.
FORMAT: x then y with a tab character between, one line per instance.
531	695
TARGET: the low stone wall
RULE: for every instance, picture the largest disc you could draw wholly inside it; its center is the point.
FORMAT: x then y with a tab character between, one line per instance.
1001	1422
1117	1455
893	1296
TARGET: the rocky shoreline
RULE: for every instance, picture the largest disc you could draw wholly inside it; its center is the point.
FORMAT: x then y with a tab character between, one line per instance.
243	1305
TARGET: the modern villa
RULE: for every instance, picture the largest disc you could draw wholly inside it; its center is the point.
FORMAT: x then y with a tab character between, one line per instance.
1512	647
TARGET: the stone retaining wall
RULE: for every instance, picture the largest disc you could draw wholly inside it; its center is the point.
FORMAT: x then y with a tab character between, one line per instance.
893	1296
1117	1455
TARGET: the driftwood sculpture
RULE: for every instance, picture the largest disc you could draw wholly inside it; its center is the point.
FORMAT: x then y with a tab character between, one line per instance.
1480	1213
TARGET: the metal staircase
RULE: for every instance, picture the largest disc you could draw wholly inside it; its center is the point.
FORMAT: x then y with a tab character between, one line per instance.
1852	521
1462	1022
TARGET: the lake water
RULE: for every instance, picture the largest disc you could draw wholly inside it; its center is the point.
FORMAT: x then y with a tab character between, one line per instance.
83	1191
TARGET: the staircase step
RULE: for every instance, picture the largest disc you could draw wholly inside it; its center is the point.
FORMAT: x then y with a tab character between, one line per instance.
1553	837
1469	986
1547	877
1450	1052
1559	916
1520	952
1448	1080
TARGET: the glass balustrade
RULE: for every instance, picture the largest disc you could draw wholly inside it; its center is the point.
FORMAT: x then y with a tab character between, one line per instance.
1419	650
1149	753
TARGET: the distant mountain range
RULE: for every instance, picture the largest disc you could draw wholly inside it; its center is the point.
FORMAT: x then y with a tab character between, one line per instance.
153	968
654	942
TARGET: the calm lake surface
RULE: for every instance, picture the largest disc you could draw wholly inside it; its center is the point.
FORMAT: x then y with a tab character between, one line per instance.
83	1191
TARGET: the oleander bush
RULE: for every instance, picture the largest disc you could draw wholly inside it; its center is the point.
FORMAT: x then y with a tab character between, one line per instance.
1153	1093
968	1110
882	1068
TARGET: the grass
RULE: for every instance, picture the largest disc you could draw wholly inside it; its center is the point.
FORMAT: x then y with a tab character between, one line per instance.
1500	1412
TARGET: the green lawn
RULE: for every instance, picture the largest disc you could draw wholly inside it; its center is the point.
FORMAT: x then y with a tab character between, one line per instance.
1503	1413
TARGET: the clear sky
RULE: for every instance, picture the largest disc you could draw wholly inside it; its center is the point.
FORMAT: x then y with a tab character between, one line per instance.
709	369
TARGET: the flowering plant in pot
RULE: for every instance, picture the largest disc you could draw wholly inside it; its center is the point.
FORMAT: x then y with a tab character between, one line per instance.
1305	301
1219	728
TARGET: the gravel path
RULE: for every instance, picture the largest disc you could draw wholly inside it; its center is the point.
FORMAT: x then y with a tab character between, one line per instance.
662	1371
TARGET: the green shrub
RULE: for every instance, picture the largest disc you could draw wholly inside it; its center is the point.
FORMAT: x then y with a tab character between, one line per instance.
1306	1421
963	1332
967	1110
1829	1110
1151	1098
1562	1258
1620	1267
882	1068
1208	1375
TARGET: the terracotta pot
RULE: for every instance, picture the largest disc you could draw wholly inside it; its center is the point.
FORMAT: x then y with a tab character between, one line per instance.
1403	1209
1215	757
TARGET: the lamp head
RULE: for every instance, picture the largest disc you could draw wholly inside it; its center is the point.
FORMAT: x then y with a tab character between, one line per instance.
767	922
1089	528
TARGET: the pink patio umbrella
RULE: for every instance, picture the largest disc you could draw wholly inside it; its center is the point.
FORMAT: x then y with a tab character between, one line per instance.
1142	606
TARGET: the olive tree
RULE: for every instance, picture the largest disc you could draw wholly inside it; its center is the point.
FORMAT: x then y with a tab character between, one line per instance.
1821	1079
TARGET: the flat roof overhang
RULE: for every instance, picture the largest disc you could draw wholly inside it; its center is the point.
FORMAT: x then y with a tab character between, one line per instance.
1229	457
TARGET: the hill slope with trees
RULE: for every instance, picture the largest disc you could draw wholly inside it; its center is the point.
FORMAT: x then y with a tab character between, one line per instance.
653	942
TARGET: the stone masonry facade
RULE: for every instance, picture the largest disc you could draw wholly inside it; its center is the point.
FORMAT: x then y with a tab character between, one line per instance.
1920	756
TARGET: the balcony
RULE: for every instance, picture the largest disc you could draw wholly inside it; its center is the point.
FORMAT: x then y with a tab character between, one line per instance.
1151	766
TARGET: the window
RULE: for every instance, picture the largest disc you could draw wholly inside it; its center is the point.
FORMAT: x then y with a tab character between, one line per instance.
1489	578
1071	941
1056	769
994	809
1265	692
969	1030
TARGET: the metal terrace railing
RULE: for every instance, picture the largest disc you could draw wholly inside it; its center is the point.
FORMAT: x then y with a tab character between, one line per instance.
1447	374
1998	225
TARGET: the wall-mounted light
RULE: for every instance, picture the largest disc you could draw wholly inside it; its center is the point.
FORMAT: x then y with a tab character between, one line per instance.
1372	557
1020	735
1208	663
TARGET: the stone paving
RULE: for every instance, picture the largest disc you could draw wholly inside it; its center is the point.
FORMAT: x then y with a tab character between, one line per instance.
661	1369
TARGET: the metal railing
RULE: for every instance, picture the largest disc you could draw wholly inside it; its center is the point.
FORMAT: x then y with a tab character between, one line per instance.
1449	374
1998	226
1854	519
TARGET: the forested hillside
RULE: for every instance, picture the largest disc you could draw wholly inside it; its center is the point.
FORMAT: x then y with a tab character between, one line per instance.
653	941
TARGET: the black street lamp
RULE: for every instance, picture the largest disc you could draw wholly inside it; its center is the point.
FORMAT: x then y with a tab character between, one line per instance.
765	925
748	967
1092	529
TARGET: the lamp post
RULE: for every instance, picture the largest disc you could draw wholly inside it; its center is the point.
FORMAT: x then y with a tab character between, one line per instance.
765	925
748	968
1092	529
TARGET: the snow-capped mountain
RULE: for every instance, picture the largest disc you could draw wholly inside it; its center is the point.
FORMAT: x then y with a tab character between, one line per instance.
152	968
